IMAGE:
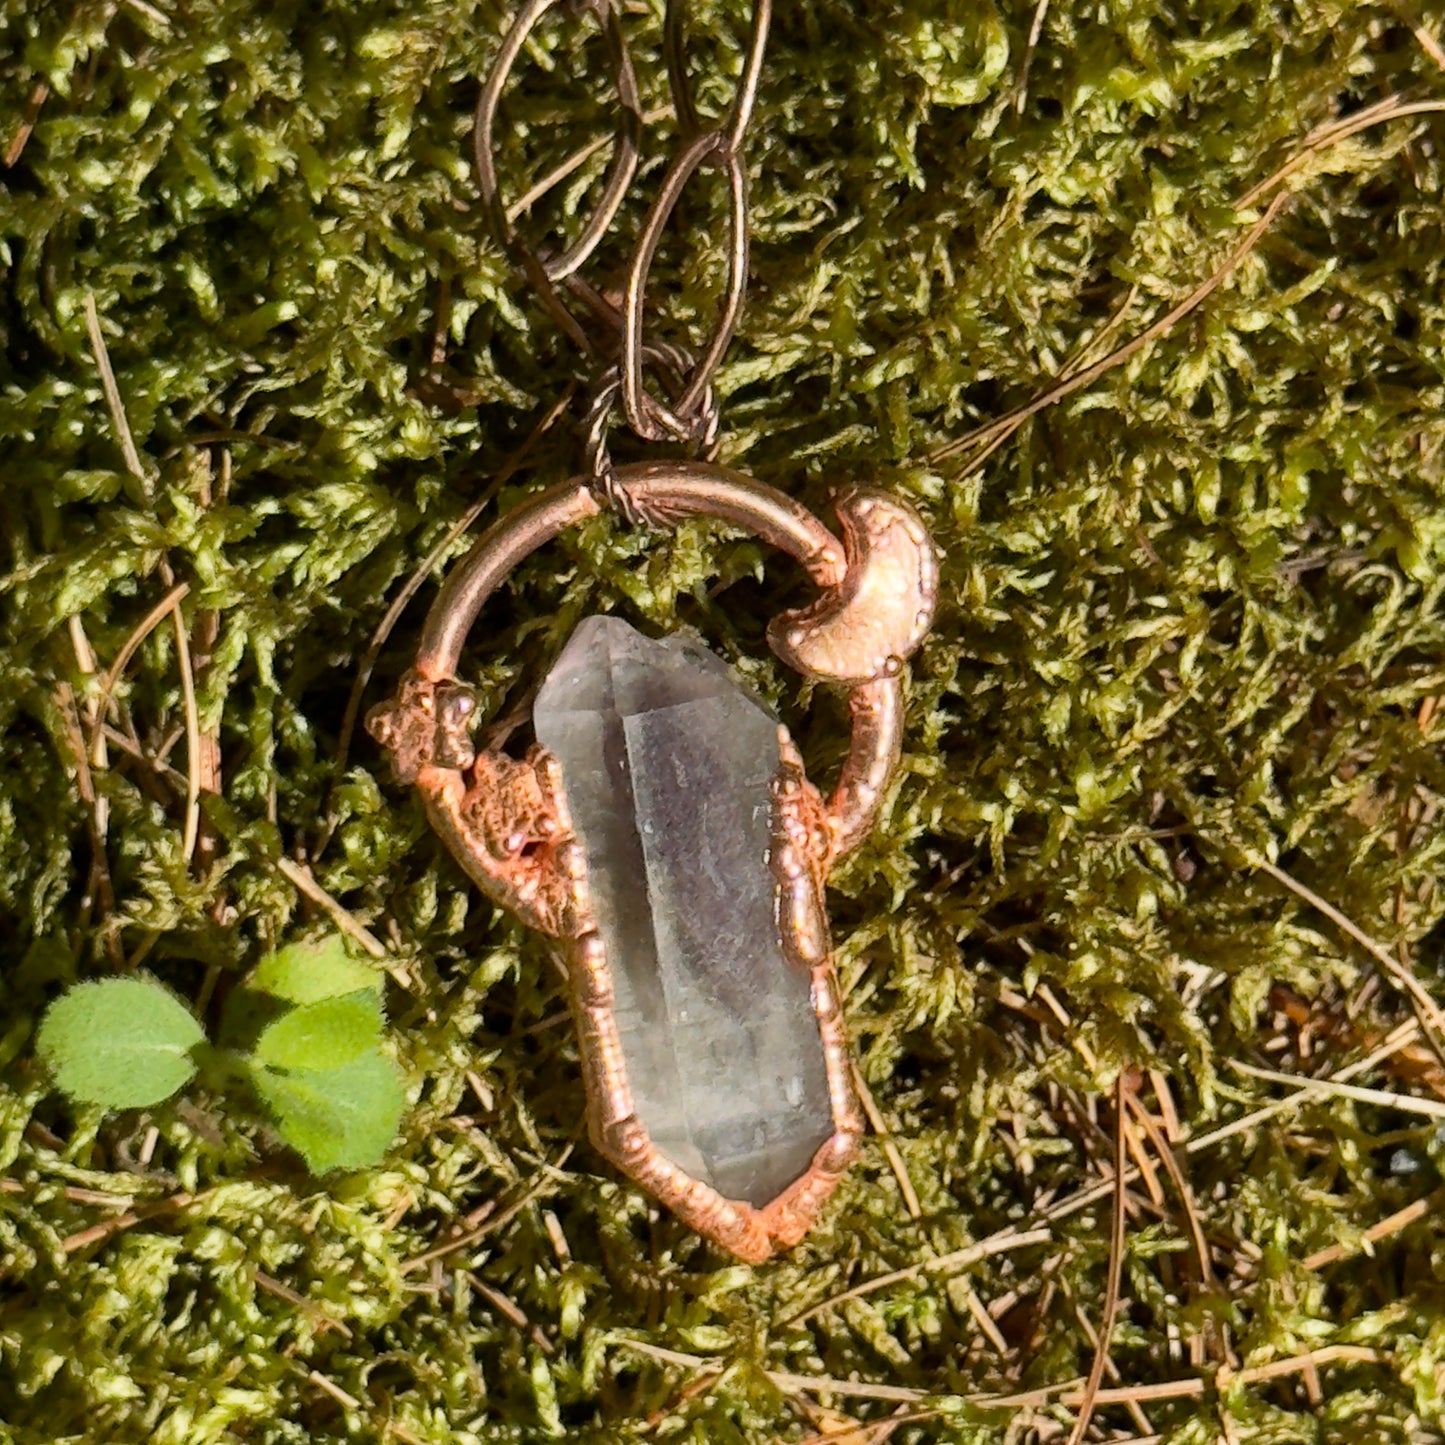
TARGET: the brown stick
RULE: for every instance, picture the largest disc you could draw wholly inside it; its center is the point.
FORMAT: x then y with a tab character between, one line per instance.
991	436
306	882
1181	1187
1069	1392
1391	108
143	629
207	630
308	1307
342	1398
1035	30
121	1222
1001	1243
193	733
491	1221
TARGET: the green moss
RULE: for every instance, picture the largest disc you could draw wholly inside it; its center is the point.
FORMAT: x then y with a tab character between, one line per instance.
1192	616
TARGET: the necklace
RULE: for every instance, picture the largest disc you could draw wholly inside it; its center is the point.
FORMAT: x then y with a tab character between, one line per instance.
662	829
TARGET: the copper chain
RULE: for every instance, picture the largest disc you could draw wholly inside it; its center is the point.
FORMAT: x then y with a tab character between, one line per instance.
679	404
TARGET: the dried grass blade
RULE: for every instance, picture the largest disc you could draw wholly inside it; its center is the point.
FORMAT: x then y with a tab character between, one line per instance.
128	650
890	1149
1427	1009
1406	1103
112	393
306	882
993	435
38	96
1116	1269
1167	1157
193	732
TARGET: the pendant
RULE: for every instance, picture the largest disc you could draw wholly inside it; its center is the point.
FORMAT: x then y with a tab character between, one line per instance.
663	831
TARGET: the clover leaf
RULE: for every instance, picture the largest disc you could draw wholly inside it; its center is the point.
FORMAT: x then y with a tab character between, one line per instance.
120	1042
341	1118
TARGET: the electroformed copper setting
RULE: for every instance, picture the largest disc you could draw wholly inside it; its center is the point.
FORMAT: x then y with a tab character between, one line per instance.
506	820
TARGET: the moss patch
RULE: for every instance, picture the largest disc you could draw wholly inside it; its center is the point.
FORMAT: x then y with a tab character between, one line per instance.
1191	620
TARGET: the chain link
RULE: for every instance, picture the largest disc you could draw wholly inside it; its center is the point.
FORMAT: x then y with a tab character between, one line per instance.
664	391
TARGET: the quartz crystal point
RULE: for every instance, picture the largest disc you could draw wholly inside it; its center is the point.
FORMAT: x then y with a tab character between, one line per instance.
666	767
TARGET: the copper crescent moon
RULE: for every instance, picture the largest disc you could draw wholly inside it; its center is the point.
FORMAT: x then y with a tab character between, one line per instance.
867	626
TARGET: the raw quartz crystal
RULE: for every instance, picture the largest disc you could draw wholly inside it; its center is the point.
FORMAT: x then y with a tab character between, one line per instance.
666	765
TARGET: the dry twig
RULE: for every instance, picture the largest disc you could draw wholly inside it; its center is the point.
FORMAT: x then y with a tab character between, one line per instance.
985	440
1181	1187
126	440
1041	9
112	394
1428	44
510	1310
1000	1243
193	733
491	1221
1406	1103
345	1400
111	677
1392	107
96	818
1070	1393
121	1222
1041	1232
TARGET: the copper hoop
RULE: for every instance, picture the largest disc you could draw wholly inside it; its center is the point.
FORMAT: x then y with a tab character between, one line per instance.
672	491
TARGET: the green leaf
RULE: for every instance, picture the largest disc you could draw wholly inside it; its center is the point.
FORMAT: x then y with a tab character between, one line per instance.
121	1042
324	1035
338	1118
316	969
